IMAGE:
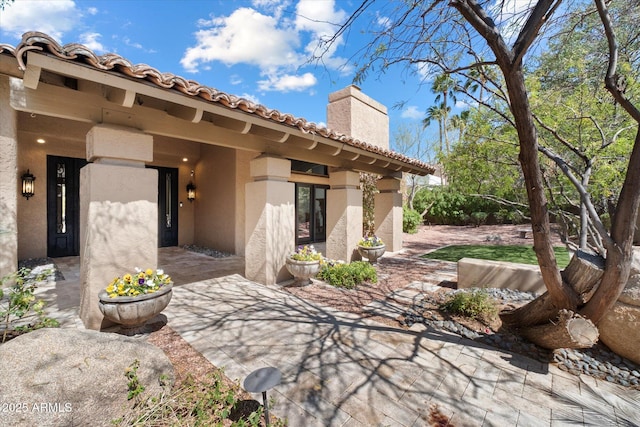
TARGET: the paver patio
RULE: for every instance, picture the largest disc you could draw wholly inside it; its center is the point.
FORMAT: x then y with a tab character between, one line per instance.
341	370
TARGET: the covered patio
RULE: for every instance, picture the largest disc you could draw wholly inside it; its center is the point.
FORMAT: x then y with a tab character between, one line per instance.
127	159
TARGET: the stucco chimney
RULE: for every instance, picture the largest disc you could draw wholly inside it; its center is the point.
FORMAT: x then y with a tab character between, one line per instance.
355	114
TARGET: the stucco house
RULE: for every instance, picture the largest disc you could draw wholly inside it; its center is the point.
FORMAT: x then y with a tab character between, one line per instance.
114	149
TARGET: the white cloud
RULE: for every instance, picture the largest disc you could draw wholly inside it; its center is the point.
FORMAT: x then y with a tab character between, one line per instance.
92	11
511	16
246	36
322	20
250	97
288	83
463	105
412	112
276	7
235	79
51	17
383	21
90	40
267	39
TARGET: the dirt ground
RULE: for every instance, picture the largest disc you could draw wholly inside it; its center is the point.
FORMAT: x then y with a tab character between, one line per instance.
396	271
430	237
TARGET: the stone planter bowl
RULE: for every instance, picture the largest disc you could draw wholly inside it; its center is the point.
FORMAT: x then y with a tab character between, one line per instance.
302	271
371	253
133	312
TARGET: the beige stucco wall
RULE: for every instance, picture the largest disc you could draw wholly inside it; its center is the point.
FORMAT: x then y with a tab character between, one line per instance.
215	204
242	177
8	182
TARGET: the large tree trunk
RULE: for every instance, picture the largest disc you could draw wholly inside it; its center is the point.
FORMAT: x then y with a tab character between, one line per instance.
620	253
562	296
542	324
567	331
510	63
583	275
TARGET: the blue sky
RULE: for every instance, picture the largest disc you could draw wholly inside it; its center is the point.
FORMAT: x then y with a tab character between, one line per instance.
257	49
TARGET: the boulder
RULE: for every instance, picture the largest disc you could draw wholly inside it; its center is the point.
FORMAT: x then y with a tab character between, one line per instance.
635	262
620	327
55	377
620	331
631	293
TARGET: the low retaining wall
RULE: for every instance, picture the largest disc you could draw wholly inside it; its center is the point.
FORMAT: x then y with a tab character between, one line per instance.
480	273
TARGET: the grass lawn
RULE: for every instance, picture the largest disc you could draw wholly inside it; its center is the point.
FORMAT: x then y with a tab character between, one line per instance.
521	254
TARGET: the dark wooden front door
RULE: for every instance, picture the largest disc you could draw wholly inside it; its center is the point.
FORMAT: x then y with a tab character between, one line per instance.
63	206
167	207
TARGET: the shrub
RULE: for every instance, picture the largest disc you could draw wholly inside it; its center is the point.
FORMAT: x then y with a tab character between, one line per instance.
348	275
446	205
20	310
410	220
479	218
475	304
207	402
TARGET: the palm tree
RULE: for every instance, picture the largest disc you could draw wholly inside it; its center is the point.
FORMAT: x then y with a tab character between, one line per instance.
446	88
479	78
459	123
438	113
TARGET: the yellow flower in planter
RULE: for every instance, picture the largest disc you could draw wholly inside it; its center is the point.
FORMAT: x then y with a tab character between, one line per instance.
142	282
370	241
306	253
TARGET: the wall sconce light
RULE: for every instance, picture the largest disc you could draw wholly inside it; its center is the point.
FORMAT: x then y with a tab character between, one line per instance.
28	185
191	191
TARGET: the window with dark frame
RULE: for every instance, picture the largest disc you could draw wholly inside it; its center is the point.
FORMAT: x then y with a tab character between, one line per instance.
309	168
311	213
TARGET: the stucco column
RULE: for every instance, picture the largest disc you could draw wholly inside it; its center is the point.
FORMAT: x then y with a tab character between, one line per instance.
8	181
118	213
344	215
388	212
269	219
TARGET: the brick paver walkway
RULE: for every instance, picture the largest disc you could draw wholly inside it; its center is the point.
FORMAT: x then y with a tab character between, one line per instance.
341	370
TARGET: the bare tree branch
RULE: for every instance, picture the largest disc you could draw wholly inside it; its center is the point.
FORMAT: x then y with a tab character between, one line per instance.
539	15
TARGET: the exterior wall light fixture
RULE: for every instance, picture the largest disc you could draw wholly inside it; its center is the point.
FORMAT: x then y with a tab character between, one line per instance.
28	184
191	191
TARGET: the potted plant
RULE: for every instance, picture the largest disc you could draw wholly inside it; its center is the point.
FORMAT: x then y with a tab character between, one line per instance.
132	299
304	264
371	248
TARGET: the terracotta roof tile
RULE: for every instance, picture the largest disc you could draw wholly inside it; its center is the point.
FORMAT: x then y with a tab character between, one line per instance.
36	41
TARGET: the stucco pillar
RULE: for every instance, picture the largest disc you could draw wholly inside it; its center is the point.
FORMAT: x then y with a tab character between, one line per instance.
388	212
8	182
118	213
344	215
269	219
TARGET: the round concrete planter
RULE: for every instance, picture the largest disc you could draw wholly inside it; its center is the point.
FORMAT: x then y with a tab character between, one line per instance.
132	312
302	271
371	253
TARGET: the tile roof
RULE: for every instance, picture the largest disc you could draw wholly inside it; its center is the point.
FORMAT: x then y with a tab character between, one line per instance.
74	52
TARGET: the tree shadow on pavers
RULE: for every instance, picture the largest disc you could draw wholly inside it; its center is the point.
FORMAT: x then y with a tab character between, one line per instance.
335	366
597	403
